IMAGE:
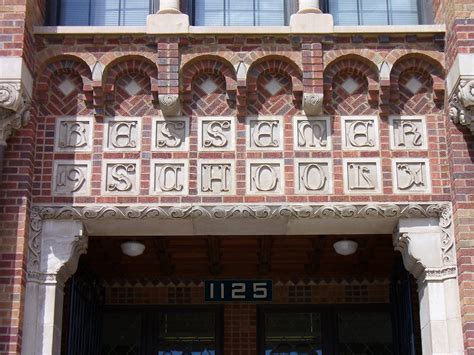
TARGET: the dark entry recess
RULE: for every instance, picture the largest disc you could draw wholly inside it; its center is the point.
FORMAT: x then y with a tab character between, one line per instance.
162	330
325	330
84	316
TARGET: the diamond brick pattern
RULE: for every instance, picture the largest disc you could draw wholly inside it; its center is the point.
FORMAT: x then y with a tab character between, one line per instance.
132	88
355	103
273	86
273	104
67	87
346	87
350	85
214	103
65	103
125	104
209	86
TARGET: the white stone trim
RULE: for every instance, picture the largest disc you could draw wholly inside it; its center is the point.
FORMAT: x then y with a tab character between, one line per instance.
344	133
392	118
154	135
463	67
153	177
327	191
90	134
233	133
55	248
279	136
395	188
135	190
422	243
280	188
345	164
107	136
233	181
87	181
62	30
327	121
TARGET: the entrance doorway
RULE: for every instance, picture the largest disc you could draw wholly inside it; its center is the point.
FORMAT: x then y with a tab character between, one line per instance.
323	303
316	330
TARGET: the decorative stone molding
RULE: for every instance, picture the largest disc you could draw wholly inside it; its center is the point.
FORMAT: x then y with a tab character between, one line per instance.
420	257
14	110
170	105
427	248
54	257
313	103
337	211
59	268
461	104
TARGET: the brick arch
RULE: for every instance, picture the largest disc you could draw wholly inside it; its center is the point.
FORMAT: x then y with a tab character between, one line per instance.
369	56
394	56
352	66
430	75
226	56
129	65
61	65
352	62
56	102
259	55
215	65
275	65
128	51
53	54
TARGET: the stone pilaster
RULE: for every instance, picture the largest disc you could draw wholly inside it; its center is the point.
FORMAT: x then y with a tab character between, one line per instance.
428	254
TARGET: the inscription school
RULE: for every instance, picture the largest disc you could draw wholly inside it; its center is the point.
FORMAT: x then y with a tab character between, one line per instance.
311	175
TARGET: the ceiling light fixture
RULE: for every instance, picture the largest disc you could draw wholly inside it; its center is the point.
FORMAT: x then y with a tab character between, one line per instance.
345	247
132	248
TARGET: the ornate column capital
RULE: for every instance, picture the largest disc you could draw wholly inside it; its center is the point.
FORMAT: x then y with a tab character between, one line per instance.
461	104
14	109
427	247
54	249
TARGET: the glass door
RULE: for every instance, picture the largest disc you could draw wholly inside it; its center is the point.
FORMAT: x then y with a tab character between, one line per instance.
325	330
161	331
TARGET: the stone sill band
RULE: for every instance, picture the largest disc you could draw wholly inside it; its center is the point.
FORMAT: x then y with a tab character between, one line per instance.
236	30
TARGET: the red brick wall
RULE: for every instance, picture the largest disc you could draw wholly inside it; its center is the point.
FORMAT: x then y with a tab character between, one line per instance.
15	200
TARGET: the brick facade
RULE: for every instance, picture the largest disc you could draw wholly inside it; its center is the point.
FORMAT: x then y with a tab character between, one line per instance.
100	69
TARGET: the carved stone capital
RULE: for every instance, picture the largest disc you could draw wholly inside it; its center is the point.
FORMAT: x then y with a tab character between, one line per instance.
427	248
461	104
54	249
313	103
14	110
10	96
170	105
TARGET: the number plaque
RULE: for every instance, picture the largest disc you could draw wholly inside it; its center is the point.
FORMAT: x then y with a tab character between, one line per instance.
238	291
